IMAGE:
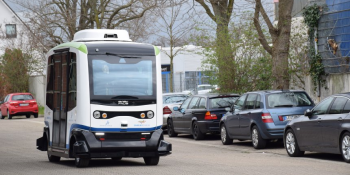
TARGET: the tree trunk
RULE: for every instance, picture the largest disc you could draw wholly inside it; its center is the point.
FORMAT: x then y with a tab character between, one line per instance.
171	80
225	59
280	40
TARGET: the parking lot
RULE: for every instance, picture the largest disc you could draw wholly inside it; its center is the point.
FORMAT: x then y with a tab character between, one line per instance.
18	155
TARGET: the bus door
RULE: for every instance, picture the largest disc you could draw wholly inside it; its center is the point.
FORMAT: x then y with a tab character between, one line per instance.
61	63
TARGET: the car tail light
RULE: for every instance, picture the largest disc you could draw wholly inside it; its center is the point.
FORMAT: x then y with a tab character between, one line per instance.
266	118
209	116
14	103
166	110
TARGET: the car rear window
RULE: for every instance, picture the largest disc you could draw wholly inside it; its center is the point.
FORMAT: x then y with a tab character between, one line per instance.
288	99
22	97
222	102
174	99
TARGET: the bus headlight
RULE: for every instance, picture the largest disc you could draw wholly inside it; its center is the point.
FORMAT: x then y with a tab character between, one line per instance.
97	114
150	114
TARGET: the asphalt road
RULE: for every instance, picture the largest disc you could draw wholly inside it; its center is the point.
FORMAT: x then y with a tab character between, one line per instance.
18	155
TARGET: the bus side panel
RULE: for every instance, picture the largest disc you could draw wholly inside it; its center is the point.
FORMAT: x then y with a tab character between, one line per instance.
48	113
83	92
72	115
48	117
159	112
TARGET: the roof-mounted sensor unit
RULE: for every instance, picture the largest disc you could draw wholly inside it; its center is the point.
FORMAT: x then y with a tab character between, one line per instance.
101	35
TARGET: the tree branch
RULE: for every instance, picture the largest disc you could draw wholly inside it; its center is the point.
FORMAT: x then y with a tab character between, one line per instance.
257	25
207	9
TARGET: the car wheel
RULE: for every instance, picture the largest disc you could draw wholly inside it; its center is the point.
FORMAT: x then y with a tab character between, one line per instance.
151	160
52	158
116	158
291	144
35	115
1	116
171	131
81	162
28	116
9	116
225	139
196	132
345	147
257	141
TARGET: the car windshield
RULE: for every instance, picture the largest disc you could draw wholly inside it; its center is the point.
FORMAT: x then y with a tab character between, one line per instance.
222	102
288	99
168	99
22	97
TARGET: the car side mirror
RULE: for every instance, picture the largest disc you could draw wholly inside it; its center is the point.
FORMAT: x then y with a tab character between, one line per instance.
228	109
175	108
308	113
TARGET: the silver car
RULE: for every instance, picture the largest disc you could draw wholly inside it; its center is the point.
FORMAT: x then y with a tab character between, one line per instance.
170	100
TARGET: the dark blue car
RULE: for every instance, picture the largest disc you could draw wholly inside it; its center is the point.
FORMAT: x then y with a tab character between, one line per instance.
262	115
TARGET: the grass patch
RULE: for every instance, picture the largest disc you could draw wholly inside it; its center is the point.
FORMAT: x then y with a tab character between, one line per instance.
41	109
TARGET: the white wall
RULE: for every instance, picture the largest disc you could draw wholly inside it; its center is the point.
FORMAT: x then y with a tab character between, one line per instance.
37	88
188	59
8	17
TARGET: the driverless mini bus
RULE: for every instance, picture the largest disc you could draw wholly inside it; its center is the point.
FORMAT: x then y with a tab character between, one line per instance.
103	99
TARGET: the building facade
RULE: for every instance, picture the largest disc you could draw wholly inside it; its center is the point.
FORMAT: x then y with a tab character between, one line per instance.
187	65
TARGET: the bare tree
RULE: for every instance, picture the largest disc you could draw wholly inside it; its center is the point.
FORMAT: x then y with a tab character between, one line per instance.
174	25
220	11
58	20
280	36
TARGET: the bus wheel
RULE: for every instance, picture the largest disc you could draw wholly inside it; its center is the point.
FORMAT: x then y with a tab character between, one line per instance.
151	160
81	162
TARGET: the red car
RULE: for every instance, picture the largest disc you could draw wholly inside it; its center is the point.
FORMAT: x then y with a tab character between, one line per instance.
18	104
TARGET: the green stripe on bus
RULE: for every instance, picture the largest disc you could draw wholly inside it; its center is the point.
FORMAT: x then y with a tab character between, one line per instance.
156	50
80	46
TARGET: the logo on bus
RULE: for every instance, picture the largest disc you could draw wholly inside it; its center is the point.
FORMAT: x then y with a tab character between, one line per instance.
123	103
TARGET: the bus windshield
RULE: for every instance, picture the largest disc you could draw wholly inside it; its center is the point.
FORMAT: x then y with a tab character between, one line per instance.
122	77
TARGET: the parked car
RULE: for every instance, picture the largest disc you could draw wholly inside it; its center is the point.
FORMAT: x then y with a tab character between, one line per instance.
18	104
325	128
262	115
202	89
199	114
171	100
206	88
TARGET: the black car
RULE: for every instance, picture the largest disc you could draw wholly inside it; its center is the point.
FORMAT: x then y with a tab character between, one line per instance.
325	128
261	116
199	114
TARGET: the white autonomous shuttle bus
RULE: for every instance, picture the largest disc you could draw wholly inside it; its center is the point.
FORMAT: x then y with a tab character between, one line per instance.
103	99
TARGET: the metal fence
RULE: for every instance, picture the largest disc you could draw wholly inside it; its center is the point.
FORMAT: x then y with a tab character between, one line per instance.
184	81
334	25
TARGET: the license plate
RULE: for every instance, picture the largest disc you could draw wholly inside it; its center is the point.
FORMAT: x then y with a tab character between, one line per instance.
23	104
288	118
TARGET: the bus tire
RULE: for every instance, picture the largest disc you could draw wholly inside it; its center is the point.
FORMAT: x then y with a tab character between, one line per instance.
52	158
151	160
81	162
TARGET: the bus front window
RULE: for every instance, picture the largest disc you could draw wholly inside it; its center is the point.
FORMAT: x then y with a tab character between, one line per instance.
114	76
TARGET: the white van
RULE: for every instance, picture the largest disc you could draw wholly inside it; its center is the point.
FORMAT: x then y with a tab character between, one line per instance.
103	99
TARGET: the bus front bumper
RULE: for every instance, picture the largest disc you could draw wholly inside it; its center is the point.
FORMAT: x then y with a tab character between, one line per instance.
87	145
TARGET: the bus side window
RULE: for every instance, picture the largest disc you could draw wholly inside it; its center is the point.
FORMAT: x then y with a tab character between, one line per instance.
49	83
72	92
